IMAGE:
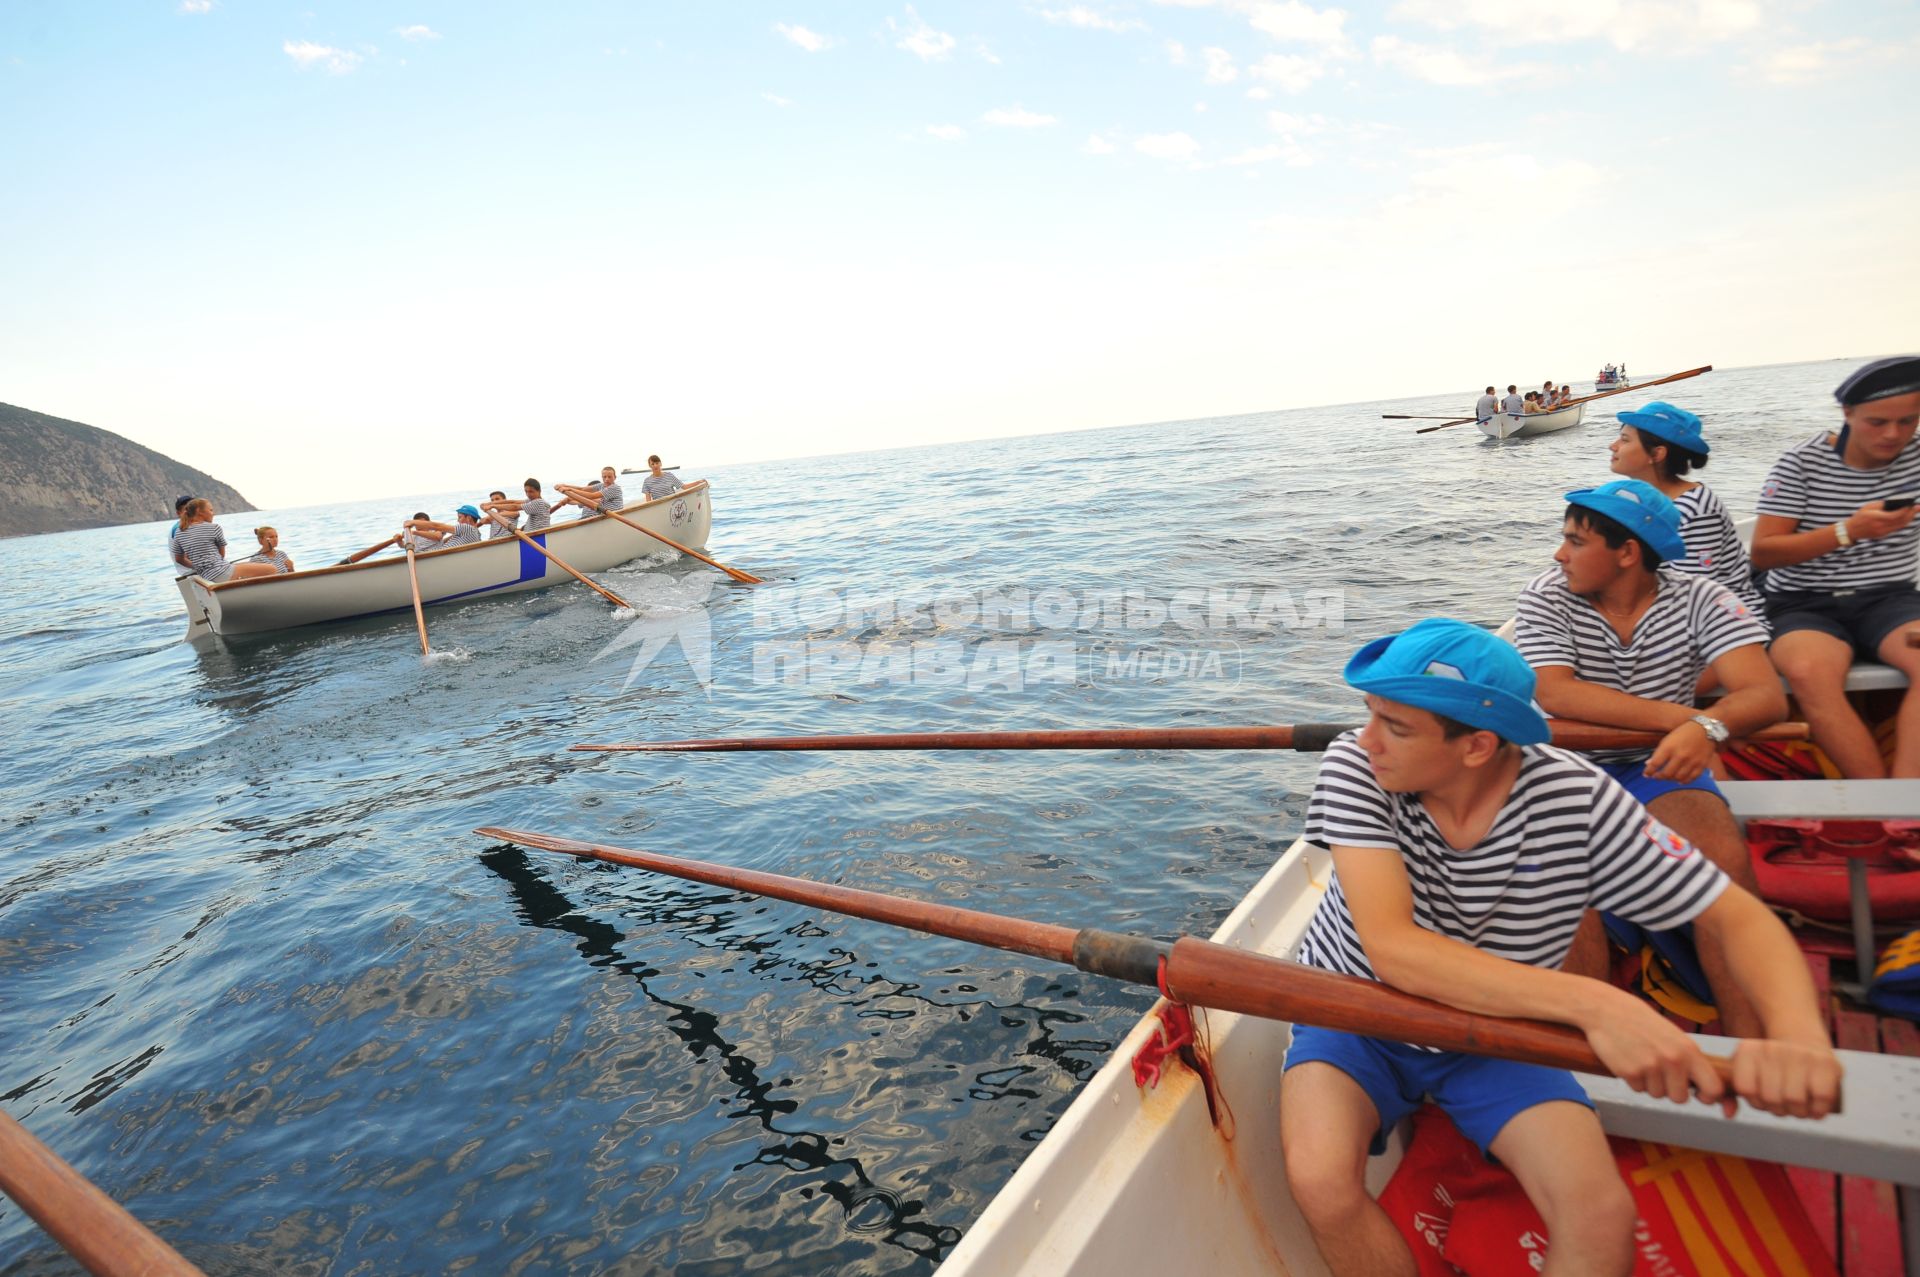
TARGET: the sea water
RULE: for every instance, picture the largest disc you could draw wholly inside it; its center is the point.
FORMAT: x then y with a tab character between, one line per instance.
262	984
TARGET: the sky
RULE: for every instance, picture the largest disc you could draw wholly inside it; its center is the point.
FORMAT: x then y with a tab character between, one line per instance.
338	250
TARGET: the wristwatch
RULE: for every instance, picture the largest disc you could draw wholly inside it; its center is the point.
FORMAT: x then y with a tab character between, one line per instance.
1715	729
1841	535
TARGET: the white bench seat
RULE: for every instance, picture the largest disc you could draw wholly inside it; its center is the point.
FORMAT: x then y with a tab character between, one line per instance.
1823	799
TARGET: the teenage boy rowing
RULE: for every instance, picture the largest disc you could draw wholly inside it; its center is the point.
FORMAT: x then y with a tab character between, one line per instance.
1465	852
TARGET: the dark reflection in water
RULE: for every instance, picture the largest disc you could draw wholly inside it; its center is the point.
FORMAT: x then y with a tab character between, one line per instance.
868	1207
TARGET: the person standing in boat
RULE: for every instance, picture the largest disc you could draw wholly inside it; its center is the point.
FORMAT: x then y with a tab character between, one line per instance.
203	544
659	483
1488	405
1658	445
1466	851
270	551
1837	540
465	530
1615	637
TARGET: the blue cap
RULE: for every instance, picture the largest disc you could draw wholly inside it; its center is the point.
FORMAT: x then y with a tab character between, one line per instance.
1663	421
470	512
1641	509
1459	670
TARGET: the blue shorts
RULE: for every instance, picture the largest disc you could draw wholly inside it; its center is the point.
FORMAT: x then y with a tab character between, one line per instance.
1634	779
1479	1093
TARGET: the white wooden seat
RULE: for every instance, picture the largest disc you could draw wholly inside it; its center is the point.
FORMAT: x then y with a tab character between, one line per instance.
1823	799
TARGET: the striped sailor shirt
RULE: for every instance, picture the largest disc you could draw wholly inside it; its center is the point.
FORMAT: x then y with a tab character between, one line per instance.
1692	623
1568	839
203	545
462	534
1714	547
497	530
611	498
659	485
278	558
1813	486
537	513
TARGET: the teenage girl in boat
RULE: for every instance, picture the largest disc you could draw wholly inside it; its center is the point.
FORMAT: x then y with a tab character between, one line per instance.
204	545
270	551
1659	444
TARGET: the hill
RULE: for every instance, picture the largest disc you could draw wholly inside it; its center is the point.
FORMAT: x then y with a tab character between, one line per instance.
60	475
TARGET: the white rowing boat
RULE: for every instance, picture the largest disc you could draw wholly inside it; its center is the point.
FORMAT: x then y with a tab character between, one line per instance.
1506	426
377	586
1139	1181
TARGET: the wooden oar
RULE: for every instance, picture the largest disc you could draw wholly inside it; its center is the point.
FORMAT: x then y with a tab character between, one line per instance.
419	613
1306	738
745	578
95	1229
1457	421
1198	972
358	555
561	563
1414	416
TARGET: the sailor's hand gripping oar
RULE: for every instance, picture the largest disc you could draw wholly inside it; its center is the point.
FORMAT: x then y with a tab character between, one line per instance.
561	563
1191	970
1303	737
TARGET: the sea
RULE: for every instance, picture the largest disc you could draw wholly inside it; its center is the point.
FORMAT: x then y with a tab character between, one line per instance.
263	984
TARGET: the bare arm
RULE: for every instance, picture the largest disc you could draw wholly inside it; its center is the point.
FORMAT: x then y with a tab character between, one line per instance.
1635	1043
1777	545
1564	696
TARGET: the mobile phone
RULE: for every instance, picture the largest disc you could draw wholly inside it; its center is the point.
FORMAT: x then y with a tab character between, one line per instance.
1899	503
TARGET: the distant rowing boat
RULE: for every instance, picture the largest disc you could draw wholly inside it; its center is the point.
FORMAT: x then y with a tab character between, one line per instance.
1506	426
378	586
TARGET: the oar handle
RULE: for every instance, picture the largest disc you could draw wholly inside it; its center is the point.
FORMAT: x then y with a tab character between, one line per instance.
95	1229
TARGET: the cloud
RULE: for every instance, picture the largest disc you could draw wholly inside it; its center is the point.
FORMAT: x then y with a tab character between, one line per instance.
196	6
777	100
811	41
1284	19
1090	19
1293	72
1167	146
1259	93
418	31
1017	117
1220	68
1176	53
920	39
309	54
1625	24
1438	65
1824	60
1287	151
946	132
1097	145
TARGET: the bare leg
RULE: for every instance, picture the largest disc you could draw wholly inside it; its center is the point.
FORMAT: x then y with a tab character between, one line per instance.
1815	665
245	570
1906	743
1560	1156
1703	820
1326	1123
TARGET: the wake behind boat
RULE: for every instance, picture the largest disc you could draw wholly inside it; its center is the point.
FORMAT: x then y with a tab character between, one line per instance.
376	587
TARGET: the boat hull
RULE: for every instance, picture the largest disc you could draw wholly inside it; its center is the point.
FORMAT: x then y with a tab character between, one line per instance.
1504	426
381	585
